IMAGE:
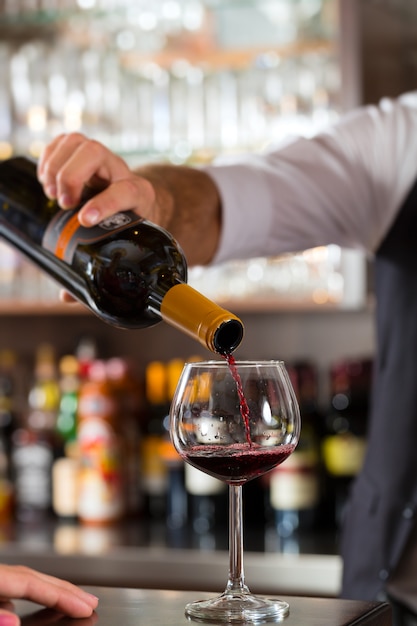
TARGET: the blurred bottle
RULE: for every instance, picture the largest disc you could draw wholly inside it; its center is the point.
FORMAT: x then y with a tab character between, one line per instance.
208	502
35	443
86	354
8	423
65	468
44	395
176	496
176	499
154	477
207	505
65	480
69	386
8	411
295	486
102	480
129	397
344	443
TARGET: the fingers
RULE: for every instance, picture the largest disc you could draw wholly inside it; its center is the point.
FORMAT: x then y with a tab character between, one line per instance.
23	582
132	193
70	162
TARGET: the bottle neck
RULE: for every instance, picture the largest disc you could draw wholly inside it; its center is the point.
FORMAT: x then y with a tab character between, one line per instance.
188	310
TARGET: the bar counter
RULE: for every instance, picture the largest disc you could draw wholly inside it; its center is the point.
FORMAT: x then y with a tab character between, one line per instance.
127	556
138	607
155	568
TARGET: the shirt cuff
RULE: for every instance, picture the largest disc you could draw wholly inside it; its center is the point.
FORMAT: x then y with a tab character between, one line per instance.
246	209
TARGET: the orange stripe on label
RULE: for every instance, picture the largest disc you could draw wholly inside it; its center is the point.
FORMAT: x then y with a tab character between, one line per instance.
66	235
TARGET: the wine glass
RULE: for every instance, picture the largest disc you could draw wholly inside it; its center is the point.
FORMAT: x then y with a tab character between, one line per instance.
235	420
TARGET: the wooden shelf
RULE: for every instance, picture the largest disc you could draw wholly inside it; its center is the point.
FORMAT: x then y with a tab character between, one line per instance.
254	305
218	58
32	307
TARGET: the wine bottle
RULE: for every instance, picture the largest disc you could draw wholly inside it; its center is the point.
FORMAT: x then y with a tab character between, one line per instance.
102	451
127	388
35	444
128	271
344	444
69	385
8	400
176	501
154	476
295	486
8	424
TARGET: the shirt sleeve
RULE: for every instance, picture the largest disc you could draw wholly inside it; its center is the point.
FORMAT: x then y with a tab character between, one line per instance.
343	186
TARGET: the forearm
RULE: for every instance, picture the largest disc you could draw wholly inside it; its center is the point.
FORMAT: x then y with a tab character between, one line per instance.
187	204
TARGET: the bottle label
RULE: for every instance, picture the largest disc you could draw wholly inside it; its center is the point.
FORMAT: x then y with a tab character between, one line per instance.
101	486
32	464
64	232
153	469
198	483
95	405
343	454
295	486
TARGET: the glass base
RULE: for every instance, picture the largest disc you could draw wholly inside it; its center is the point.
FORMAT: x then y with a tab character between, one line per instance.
232	607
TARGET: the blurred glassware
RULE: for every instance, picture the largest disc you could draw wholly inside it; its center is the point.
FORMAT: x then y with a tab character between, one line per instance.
184	81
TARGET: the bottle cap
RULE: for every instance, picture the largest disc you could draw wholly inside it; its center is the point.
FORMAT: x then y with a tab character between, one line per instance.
217	329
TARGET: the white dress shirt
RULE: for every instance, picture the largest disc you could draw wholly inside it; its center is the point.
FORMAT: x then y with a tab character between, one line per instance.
343	186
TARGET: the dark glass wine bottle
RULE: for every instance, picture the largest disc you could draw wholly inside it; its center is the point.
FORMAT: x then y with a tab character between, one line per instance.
128	271
344	443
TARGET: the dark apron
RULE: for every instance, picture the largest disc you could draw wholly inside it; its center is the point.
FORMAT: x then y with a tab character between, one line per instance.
383	506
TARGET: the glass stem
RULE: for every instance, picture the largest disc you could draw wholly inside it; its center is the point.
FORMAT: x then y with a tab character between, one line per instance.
236	581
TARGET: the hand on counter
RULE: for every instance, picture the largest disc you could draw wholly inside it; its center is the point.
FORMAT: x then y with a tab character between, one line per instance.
17	581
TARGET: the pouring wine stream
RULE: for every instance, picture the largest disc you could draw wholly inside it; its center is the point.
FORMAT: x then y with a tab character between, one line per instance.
243	405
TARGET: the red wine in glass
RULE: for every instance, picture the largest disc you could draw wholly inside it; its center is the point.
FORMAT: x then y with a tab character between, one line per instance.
237	464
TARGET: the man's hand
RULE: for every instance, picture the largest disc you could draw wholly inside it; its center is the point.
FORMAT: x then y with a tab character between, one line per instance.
183	200
19	582
71	163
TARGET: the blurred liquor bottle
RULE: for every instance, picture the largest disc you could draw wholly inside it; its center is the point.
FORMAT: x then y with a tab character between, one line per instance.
102	451
44	395
208	504
295	486
8	423
85	353
8	410
65	467
128	391
69	386
176	498
153	469
344	443
35	443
